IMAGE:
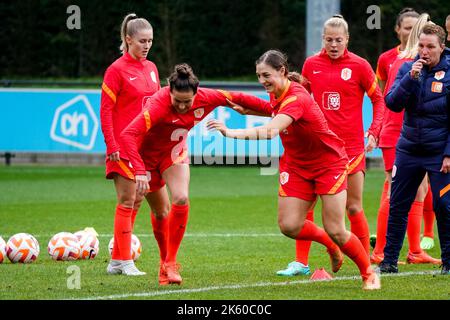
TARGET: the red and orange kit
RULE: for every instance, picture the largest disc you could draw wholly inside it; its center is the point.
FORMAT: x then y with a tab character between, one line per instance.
127	84
385	62
338	86
303	159
156	139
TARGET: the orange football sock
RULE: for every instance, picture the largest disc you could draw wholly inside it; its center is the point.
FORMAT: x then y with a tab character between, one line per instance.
122	233
355	251
382	222
311	231
302	246
161	230
413	230
133	218
384	192
360	227
178	217
428	215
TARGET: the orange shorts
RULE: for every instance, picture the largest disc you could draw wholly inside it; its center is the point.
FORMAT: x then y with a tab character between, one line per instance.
357	163
306	184
122	167
156	182
388	158
154	175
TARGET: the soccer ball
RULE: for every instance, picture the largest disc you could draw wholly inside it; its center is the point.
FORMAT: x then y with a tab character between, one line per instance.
89	244
136	247
23	248
64	246
2	249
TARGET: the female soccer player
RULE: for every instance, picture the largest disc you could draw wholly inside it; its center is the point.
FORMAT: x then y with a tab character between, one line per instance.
155	144
406	19
314	162
421	89
338	80
390	132
127	83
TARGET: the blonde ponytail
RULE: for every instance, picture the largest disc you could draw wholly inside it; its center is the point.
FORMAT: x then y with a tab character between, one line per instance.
131	24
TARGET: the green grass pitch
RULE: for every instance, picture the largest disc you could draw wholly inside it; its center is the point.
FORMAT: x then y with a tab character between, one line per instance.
231	250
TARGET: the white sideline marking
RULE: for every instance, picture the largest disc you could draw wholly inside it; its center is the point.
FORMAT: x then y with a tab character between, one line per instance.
194	235
243	286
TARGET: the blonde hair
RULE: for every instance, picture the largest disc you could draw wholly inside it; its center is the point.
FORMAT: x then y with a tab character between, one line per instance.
411	48
131	25
337	21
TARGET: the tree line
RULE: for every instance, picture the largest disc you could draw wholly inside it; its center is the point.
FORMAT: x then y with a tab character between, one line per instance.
221	39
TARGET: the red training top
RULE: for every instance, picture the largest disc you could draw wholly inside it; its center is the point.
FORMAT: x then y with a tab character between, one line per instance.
159	131
338	87
126	86
308	142
392	121
385	61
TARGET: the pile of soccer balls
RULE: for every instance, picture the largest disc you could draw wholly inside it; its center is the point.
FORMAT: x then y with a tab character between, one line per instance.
63	246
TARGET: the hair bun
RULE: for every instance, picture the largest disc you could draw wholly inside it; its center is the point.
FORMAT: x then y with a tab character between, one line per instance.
183	71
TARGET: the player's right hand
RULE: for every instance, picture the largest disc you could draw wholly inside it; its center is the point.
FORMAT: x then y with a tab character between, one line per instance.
238	108
115	156
142	185
417	67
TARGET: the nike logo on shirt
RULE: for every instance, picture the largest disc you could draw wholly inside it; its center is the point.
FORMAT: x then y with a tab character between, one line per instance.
133	78
316	72
173	121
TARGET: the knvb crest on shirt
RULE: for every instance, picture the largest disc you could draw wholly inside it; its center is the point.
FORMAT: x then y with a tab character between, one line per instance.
198	113
331	100
346	74
439	75
153	76
284	178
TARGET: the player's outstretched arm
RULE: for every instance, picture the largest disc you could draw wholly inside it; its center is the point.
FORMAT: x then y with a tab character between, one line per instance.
246	111
265	132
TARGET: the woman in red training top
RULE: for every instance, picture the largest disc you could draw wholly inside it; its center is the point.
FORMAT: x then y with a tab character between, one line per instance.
127	83
403	26
338	80
389	135
155	143
314	163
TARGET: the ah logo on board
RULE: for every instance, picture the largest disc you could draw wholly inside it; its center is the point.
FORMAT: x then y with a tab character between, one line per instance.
75	124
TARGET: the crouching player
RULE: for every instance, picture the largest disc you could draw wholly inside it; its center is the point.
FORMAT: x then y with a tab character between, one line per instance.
155	143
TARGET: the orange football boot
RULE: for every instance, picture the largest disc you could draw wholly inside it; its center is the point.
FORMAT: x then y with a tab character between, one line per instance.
423	257
173	276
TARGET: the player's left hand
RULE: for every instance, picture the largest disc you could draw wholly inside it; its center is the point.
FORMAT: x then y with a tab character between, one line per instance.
371	143
214	124
445	165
